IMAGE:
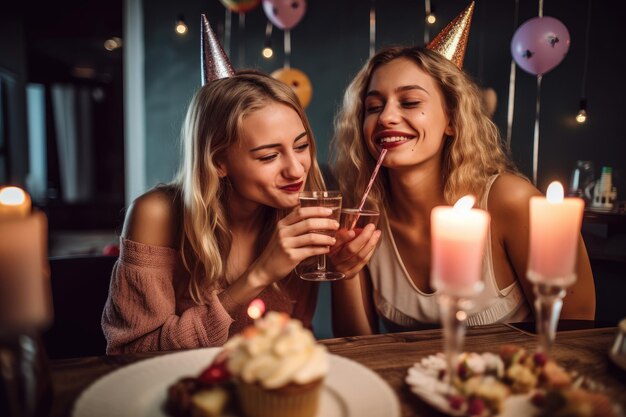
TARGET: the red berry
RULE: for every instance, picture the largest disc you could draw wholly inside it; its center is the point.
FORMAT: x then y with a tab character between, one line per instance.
214	374
475	407
463	370
540	358
456	401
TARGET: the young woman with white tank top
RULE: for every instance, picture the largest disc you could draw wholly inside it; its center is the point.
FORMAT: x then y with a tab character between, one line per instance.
441	145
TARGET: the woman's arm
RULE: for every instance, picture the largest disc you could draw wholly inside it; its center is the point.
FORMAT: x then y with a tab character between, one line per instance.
141	310
509	208
353	310
352	306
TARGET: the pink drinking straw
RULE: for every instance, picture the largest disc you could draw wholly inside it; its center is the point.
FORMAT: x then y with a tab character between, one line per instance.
369	186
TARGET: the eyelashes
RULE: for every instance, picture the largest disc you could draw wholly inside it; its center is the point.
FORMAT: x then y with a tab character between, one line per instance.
271	157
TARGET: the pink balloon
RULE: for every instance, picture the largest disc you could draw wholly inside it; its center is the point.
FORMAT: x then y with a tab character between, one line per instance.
540	44
284	14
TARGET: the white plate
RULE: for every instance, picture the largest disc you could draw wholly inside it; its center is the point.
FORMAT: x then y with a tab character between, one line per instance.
137	390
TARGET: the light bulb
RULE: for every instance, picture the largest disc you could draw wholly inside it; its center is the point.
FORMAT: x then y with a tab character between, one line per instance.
581	117
267	52
181	26
113	43
431	18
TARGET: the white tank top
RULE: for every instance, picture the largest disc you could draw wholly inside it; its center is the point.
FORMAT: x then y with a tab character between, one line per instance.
403	306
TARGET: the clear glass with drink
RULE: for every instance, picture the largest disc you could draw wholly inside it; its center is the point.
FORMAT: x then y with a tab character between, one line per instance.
355	219
315	269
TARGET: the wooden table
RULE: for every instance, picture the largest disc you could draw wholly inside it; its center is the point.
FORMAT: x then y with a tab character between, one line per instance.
390	355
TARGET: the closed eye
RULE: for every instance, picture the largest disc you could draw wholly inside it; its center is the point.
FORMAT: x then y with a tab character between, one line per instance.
373	109
267	158
411	104
302	148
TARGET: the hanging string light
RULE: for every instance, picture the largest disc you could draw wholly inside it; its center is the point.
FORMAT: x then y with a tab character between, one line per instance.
511	103
181	26
268	52
372	28
581	117
430	19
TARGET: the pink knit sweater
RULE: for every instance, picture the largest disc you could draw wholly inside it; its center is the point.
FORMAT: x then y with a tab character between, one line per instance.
149	307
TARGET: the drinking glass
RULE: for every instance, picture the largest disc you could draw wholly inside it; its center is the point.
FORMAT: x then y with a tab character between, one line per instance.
355	219
317	271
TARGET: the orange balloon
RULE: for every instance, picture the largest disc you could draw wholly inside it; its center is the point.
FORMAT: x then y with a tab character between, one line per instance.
241	6
298	81
490	100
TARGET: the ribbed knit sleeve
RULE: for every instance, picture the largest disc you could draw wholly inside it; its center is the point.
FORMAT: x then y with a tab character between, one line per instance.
142	312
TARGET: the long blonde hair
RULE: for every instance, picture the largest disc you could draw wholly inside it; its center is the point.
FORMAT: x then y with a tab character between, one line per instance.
470	157
212	126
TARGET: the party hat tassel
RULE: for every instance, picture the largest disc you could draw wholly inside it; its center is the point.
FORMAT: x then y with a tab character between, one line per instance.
452	40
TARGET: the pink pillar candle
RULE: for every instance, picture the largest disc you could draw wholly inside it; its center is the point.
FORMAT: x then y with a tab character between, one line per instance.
24	277
458	236
555	224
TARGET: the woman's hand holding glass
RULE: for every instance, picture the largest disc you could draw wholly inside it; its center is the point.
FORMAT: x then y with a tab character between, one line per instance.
357	238
294	240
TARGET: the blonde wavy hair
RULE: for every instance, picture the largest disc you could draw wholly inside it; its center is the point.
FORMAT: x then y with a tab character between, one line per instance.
470	157
212	126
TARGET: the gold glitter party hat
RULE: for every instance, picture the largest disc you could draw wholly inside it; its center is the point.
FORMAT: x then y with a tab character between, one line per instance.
213	60
452	40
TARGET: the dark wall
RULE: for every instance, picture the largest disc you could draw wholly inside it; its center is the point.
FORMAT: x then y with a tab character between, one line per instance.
331	43
13	74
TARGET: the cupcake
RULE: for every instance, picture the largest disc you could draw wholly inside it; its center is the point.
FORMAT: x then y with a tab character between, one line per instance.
278	368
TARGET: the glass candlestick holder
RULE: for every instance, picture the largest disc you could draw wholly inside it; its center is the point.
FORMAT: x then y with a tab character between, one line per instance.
454	308
25	382
548	304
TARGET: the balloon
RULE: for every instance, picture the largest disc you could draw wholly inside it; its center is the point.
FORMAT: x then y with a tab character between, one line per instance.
284	14
490	100
240	6
540	44
298	81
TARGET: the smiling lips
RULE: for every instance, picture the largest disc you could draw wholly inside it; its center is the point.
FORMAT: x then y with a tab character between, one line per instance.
292	188
390	139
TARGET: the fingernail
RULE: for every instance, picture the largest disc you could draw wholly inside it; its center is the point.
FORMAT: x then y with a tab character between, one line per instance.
351	233
337	224
328	211
334	241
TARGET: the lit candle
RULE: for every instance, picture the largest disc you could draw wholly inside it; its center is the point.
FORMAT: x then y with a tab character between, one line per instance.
14	203
458	236
555	224
24	285
256	308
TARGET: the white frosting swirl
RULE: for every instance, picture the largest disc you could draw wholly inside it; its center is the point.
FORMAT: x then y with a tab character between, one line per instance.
276	351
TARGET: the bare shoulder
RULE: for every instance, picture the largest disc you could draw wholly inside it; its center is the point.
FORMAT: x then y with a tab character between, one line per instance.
154	218
510	194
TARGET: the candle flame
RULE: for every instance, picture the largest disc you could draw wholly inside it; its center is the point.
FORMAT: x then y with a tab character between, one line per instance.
555	192
465	203
256	308
12	196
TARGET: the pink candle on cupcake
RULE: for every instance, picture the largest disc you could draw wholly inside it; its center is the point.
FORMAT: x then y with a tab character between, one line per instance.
458	236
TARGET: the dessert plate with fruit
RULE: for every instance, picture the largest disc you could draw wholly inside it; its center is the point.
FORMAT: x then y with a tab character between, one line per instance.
274	368
513	382
350	390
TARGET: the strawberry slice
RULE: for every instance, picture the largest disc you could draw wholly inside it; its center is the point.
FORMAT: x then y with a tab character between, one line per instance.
216	373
